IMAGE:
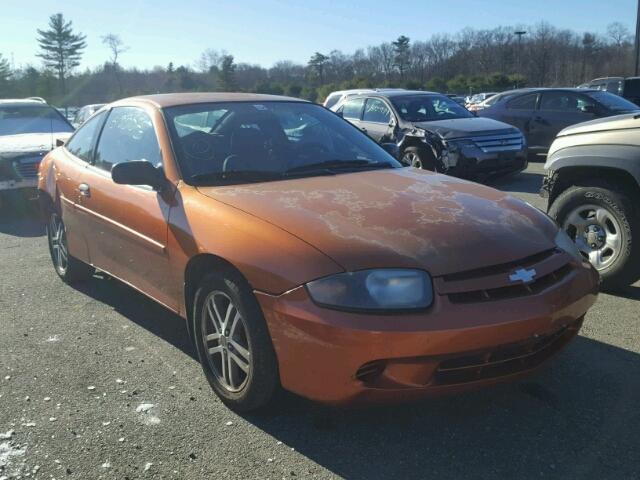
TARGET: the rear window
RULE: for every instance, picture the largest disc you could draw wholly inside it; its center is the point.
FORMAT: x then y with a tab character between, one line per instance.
16	120
612	102
332	100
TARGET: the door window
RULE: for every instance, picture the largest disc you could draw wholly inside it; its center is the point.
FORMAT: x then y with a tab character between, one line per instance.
81	144
563	102
352	108
128	134
525	102
376	110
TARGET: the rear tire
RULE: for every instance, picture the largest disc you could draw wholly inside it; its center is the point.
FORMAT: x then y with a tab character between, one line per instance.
614	226
234	346
69	269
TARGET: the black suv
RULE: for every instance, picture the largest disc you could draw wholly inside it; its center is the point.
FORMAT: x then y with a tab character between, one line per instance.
434	132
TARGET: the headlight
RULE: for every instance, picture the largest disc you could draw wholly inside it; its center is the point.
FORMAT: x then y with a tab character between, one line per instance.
564	242
383	289
457	145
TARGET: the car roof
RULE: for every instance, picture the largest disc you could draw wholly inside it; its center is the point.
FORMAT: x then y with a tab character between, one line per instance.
397	93
22	102
174	99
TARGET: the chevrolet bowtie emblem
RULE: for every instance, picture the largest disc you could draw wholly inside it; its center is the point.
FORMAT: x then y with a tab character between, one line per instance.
522	275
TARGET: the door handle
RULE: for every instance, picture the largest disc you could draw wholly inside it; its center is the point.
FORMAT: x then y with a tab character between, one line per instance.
84	189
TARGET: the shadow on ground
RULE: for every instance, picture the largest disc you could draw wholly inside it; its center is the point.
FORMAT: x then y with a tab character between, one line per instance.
576	418
523	182
20	219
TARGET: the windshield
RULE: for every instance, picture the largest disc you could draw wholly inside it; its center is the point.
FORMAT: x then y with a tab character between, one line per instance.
425	108
613	102
258	141
15	120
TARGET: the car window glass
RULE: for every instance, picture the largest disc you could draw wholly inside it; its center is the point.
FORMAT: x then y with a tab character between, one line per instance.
563	101
525	102
21	119
266	137
128	134
615	87
352	108
428	107
376	110
81	144
332	100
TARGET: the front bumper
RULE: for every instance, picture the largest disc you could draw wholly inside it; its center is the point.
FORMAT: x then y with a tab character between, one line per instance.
470	165
341	358
30	183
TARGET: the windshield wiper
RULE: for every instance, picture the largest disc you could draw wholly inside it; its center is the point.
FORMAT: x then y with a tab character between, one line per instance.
332	166
232	175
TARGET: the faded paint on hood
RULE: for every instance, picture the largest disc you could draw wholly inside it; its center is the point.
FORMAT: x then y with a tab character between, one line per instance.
466	127
398	218
14	145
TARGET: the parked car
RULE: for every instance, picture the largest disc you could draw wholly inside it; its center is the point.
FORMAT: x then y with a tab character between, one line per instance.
85	112
478	98
628	88
458	99
335	97
29	129
432	131
304	256
593	186
540	113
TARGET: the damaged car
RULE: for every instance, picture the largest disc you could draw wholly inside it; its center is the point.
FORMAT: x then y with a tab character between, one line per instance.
431	131
29	129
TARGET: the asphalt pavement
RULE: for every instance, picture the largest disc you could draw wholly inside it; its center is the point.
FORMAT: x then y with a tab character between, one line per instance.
97	381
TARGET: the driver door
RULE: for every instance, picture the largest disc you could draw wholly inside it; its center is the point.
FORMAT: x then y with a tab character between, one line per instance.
376	120
127	224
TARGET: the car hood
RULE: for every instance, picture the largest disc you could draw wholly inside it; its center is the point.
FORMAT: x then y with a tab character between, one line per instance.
398	218
466	127
16	145
619	122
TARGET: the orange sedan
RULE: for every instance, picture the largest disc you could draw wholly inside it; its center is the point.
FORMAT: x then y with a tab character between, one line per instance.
304	256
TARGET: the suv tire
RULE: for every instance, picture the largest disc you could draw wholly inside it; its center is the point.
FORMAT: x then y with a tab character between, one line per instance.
419	157
617	211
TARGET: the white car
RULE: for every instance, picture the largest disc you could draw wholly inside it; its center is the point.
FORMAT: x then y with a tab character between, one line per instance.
334	98
29	129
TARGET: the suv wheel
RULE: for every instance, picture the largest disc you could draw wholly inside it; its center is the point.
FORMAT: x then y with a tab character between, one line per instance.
603	225
233	343
68	268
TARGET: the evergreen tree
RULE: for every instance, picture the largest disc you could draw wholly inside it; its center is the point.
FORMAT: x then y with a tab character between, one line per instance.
402	53
227	78
5	69
317	63
61	48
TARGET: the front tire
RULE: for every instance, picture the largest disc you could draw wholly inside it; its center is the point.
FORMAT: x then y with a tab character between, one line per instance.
69	269
606	229
233	344
418	157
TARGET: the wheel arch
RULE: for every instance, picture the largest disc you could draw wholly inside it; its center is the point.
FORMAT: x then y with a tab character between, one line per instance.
196	269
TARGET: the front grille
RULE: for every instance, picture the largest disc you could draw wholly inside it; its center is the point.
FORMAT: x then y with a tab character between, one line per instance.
27	168
503	360
499	143
493	283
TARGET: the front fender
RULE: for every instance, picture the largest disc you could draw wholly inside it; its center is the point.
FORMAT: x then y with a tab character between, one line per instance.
620	157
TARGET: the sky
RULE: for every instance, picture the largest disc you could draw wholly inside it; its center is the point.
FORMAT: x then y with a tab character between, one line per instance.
264	31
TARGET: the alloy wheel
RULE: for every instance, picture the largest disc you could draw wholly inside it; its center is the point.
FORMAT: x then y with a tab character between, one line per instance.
412	159
224	335
596	232
58	243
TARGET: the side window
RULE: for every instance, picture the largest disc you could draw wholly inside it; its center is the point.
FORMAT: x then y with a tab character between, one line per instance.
128	134
376	110
332	100
352	108
615	87
81	144
563	101
525	102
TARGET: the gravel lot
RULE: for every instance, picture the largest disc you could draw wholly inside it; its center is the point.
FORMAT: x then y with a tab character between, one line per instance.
99	382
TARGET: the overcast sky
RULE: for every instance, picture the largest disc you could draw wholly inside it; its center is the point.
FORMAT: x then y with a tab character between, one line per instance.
263	32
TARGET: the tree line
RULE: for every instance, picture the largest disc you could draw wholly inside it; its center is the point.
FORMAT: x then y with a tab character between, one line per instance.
467	62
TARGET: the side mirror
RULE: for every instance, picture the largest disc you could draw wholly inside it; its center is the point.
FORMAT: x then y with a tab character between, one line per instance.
339	113
392	149
138	172
59	142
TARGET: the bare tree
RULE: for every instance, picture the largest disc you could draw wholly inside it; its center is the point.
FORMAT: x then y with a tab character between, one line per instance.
114	43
